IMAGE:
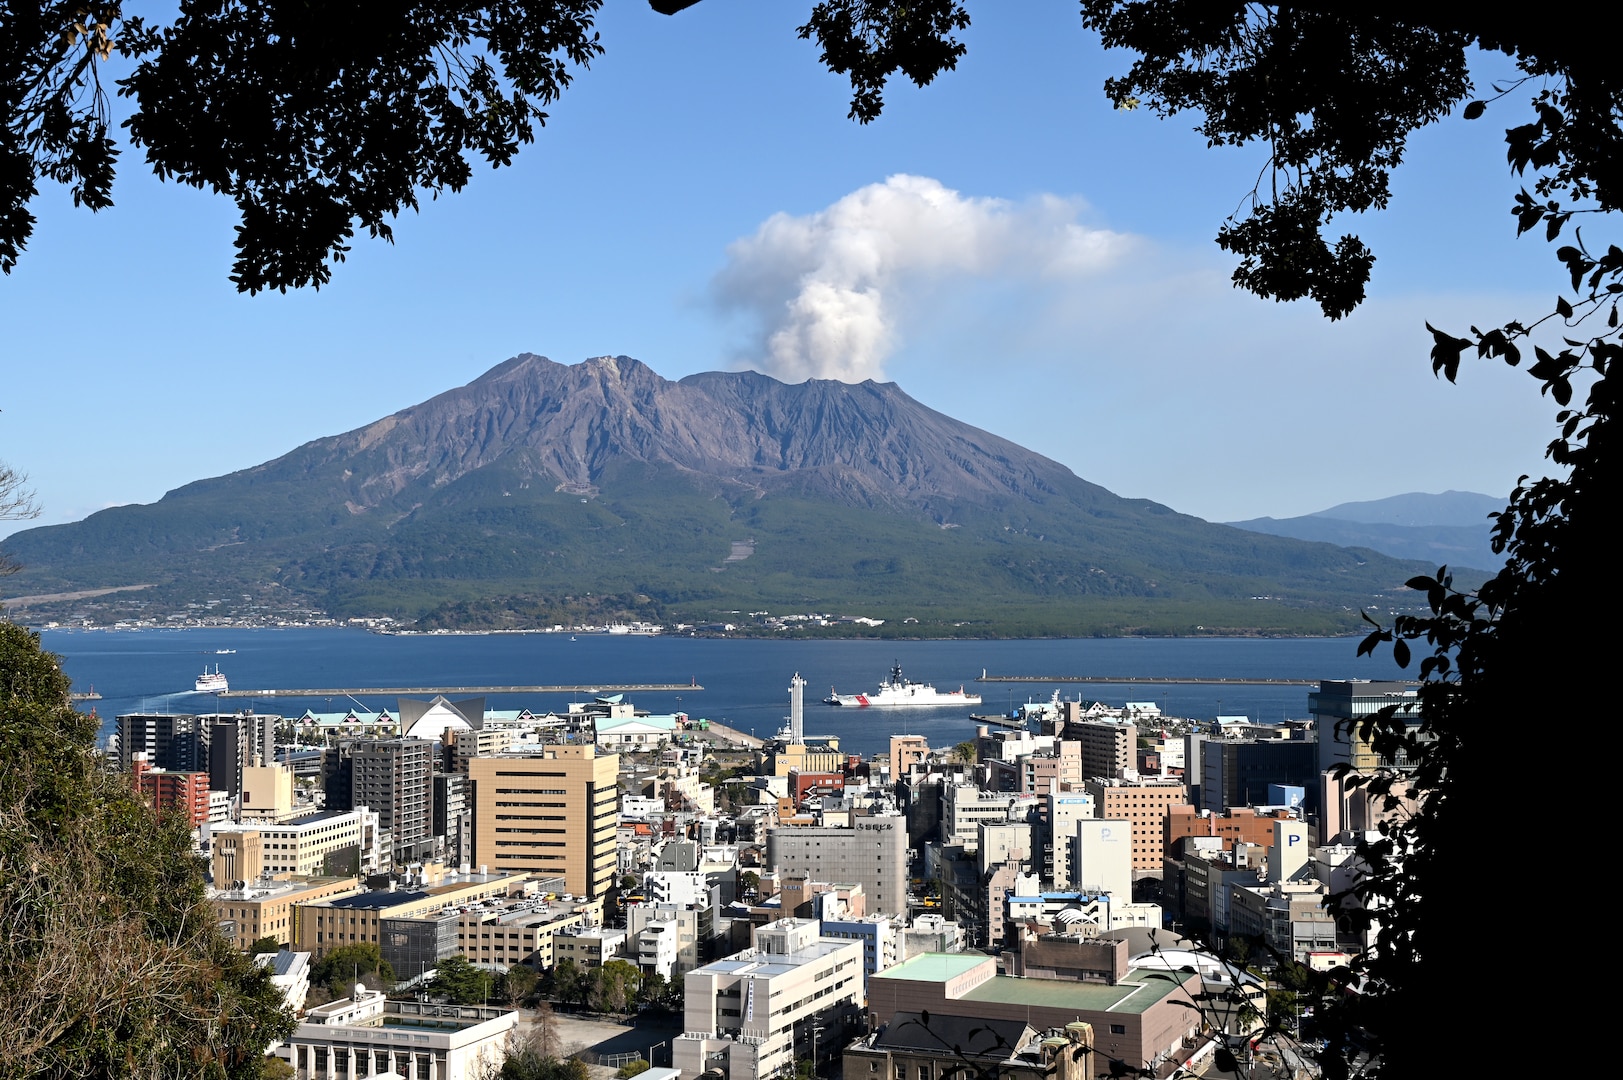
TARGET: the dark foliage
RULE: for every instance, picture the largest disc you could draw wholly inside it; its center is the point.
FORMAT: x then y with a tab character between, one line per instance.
111	961
315	119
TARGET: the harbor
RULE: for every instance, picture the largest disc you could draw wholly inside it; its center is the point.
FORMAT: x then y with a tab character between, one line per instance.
409	691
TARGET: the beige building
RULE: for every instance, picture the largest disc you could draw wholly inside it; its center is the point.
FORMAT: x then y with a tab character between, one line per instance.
553	812
793	994
253	913
341	842
267	793
358	916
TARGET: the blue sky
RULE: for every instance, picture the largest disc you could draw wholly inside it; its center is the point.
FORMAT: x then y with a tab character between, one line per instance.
1020	256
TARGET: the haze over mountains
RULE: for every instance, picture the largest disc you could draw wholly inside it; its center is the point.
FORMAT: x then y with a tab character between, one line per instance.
723	492
1451	527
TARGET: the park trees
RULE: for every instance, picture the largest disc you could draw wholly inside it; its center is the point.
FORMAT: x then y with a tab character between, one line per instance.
111	960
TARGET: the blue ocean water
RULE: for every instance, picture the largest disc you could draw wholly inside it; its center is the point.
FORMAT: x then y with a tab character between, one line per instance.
745	681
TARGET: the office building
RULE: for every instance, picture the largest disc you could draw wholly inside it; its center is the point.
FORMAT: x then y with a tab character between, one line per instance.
794	994
554	812
871	853
1144	804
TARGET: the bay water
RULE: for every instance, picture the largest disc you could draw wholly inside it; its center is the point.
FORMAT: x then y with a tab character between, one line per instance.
745	681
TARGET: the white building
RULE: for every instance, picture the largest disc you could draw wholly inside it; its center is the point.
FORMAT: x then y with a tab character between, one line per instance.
367	1035
752	1014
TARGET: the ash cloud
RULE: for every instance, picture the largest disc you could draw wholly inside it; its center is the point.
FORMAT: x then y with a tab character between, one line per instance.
823	290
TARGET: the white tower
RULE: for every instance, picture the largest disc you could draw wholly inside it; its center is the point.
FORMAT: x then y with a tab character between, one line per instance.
797	709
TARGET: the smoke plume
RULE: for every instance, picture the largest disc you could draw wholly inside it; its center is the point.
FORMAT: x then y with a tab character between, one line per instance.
822	289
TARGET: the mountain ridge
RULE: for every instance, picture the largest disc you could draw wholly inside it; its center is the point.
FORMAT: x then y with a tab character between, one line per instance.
540	479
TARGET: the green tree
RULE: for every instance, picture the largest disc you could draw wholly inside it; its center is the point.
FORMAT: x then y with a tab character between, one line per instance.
461	982
653	990
568	982
111	960
264	945
519	983
964	753
632	1068
340	969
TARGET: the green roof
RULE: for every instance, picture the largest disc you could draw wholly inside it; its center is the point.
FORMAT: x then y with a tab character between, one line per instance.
934	967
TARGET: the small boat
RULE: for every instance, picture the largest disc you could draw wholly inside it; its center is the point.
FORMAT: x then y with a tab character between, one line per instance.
212	682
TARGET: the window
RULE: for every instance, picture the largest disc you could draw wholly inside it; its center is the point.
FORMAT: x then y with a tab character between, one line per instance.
1118	1029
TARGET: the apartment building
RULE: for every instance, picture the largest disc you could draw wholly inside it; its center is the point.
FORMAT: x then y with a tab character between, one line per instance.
395	778
554	812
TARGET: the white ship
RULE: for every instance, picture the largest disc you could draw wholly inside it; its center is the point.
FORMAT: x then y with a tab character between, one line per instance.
901	691
212	682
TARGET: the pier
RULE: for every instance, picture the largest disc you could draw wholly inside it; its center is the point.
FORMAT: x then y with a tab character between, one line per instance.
1148	680
411	691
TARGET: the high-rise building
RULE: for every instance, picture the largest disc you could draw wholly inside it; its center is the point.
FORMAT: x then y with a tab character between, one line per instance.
170	741
186	793
237	741
1108	746
554	811
453	818
1238	773
395	778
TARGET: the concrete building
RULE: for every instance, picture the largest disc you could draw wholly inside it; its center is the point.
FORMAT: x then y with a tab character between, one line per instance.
1239	773
1144	804
965	806
872	853
186	793
369	1035
795	993
267	794
453	818
290	973
1062	811
672	939
924	1046
359	915
1108	747
553	812
237	741
906	751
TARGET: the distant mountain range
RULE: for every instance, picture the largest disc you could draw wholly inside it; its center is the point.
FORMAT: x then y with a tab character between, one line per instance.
540	490
1451	528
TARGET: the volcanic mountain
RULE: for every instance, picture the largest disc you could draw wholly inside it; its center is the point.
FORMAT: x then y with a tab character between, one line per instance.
721	492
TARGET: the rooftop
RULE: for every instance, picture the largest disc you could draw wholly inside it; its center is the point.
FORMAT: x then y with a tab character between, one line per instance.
1134	994
934	967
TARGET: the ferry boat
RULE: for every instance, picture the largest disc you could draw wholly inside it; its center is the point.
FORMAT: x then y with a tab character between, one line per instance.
212	682
900	691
